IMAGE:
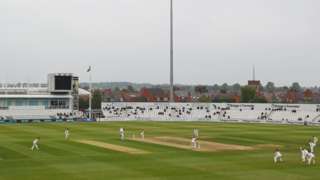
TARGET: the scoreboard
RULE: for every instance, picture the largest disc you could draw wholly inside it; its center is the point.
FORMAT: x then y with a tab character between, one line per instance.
60	82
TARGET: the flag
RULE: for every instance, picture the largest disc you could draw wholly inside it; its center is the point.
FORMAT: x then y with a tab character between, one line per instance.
89	69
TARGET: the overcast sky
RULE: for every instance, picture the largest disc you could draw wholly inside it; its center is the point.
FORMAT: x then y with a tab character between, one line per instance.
216	41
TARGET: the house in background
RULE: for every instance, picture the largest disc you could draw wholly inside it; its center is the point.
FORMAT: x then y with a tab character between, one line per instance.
155	94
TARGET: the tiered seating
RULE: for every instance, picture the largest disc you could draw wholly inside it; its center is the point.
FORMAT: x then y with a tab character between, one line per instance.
161	111
295	114
212	112
34	113
248	112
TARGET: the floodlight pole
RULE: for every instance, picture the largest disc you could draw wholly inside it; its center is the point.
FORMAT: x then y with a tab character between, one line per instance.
171	53
90	95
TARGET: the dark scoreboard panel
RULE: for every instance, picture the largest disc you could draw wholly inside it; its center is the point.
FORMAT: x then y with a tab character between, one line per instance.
63	83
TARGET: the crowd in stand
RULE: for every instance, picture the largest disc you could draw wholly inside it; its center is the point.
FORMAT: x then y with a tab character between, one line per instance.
65	115
200	111
161	111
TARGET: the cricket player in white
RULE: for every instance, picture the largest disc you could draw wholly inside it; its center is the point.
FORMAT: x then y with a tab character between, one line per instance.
277	156
66	133
304	153
142	134
194	143
311	158
122	134
312	146
35	144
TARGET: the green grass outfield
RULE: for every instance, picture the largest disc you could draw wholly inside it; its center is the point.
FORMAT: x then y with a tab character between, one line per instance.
59	159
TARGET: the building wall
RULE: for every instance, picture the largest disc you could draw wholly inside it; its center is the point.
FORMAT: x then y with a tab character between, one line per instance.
47	103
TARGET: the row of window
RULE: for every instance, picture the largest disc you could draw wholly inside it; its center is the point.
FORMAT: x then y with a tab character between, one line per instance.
47	103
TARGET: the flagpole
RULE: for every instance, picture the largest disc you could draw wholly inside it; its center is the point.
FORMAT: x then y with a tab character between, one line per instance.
90	95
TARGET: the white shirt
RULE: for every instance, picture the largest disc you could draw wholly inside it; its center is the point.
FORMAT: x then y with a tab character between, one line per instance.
312	144
304	153
310	155
277	154
35	141
121	130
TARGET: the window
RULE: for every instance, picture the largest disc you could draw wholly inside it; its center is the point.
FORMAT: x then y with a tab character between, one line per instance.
33	102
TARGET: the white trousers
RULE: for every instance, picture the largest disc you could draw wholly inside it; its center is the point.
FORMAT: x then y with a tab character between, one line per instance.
311	160
277	159
34	145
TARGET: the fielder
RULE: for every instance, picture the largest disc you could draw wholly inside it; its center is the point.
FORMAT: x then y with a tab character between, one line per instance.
194	143
277	156
122	134
66	134
312	146
35	144
304	153
311	158
142	134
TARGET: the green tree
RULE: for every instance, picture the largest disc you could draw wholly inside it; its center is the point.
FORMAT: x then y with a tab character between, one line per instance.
236	87
204	98
83	103
296	87
201	89
270	87
224	88
130	88
259	99
283	88
226	99
248	94
96	99
216	88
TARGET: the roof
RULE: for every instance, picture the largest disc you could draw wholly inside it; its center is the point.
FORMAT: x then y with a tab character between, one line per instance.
83	92
157	92
33	96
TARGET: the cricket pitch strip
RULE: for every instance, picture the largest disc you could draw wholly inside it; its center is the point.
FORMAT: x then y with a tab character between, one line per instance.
113	147
205	146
